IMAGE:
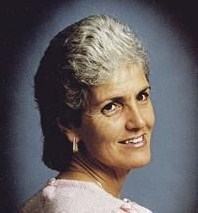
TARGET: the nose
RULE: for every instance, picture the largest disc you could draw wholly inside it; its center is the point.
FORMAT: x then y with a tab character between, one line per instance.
134	119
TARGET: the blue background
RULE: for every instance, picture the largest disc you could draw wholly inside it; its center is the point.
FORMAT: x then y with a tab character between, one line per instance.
169	183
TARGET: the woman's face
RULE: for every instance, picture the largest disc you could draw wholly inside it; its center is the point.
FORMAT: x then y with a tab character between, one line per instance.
117	125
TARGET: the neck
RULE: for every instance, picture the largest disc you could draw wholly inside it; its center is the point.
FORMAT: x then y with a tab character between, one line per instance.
87	169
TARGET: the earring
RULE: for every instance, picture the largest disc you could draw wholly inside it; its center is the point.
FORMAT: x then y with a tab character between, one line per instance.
75	145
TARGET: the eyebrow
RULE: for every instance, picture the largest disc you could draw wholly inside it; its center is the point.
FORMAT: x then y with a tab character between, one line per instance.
113	98
146	88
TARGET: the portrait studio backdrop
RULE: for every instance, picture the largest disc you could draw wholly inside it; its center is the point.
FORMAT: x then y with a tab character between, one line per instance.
169	183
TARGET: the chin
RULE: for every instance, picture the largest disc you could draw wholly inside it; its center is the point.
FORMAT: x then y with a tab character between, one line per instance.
140	161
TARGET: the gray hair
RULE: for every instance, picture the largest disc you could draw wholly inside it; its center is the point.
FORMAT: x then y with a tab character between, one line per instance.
96	46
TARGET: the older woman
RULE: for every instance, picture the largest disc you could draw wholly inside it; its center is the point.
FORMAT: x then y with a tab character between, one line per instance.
93	93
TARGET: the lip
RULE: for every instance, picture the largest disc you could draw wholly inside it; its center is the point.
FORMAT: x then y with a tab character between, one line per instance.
136	144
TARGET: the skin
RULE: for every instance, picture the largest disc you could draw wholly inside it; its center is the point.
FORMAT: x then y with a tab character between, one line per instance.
120	109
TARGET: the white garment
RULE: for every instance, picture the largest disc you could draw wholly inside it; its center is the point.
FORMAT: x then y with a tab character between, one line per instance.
72	196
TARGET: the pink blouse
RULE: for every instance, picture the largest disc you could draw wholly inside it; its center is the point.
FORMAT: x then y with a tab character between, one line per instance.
72	196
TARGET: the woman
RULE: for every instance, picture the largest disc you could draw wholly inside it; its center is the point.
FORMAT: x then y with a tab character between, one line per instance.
92	89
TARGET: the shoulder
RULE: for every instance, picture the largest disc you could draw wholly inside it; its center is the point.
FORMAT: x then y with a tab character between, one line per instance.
70	197
66	196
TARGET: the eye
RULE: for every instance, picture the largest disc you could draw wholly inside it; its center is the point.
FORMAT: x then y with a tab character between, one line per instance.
111	108
143	96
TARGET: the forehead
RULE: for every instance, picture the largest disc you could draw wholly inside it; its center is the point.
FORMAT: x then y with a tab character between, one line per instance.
127	79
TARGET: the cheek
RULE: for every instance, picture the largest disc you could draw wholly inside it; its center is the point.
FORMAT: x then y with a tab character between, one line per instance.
95	137
93	129
101	130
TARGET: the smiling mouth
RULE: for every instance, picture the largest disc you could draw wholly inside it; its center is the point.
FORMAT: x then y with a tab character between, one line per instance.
136	141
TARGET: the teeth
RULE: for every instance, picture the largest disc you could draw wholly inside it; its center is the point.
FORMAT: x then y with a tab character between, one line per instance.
135	140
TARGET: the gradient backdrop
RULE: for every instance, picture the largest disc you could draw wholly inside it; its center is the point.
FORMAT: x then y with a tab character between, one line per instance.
169	31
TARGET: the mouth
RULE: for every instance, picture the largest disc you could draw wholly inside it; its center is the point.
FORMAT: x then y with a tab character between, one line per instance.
135	141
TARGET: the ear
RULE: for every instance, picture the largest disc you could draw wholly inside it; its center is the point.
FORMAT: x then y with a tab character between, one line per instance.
70	133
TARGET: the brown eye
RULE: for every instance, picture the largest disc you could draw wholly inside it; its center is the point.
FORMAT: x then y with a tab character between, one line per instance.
143	96
111	108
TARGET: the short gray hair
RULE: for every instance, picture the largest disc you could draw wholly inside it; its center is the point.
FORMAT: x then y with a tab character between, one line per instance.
96	46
